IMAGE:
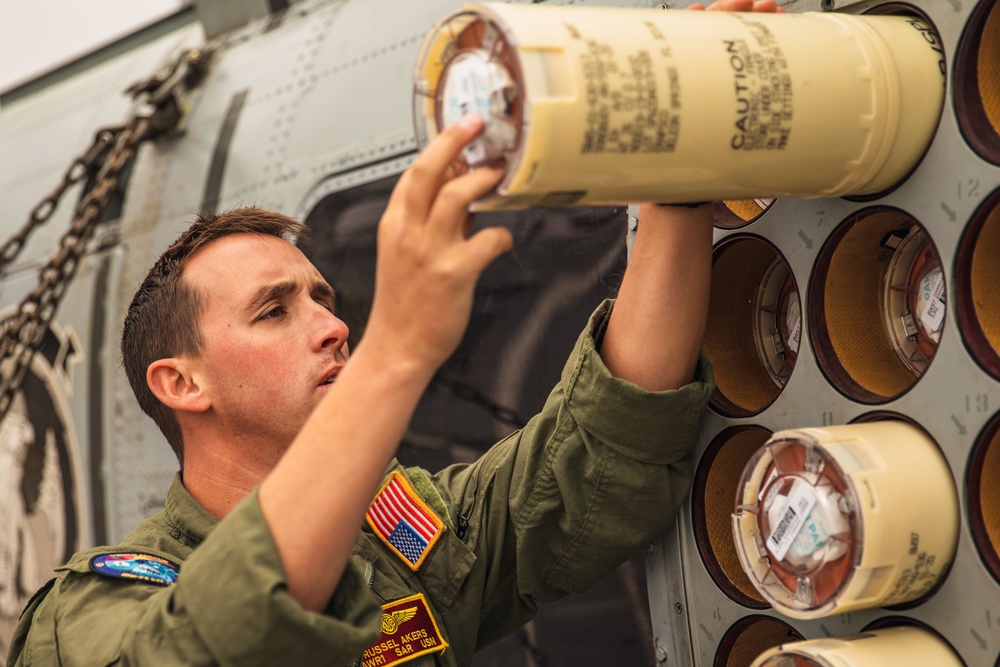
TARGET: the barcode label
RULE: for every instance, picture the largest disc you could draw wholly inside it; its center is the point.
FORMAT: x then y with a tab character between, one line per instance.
797	510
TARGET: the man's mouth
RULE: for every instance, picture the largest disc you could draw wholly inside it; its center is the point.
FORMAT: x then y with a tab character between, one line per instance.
331	377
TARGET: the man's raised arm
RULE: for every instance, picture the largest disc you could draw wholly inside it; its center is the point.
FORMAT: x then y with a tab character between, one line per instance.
655	332
425	276
654	335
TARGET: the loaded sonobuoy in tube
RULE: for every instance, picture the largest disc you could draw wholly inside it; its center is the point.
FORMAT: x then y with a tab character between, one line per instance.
830	520
907	645
597	105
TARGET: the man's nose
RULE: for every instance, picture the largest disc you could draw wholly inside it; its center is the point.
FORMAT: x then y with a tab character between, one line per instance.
333	331
328	329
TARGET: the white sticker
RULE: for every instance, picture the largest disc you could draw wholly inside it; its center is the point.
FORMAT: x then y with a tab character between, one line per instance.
930	301
793	322
791	518
461	99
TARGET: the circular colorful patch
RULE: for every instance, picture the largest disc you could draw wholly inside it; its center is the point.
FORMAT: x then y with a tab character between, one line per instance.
136	566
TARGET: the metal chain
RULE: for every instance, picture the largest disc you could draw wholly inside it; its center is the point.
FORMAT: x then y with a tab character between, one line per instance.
78	170
113	148
27	327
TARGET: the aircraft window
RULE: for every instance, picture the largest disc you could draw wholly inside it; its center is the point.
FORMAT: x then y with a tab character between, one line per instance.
530	307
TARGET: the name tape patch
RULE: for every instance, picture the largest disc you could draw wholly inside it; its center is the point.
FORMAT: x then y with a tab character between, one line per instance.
403	521
136	567
408	631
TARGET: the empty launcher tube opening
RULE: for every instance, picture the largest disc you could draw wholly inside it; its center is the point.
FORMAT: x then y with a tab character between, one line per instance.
736	213
983	499
713	499
977	274
754	328
878	304
751	636
977	81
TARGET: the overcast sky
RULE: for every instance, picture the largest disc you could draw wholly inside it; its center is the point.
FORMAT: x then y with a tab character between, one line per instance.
38	35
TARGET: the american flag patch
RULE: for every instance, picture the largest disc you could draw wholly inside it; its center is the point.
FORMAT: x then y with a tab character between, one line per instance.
403	521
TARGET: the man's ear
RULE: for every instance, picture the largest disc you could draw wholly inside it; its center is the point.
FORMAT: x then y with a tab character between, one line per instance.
176	385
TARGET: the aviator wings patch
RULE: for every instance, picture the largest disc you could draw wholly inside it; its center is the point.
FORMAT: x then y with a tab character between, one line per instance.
409	630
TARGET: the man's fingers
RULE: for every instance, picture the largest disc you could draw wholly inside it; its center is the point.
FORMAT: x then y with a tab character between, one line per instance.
731	6
420	183
451	207
486	245
767	6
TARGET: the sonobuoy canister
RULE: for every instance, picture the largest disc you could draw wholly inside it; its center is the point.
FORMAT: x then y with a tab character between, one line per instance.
597	105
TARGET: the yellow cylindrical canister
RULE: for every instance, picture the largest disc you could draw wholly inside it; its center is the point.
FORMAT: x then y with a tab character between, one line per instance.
597	105
830	520
877	648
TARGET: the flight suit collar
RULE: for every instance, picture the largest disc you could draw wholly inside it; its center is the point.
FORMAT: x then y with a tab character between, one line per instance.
183	513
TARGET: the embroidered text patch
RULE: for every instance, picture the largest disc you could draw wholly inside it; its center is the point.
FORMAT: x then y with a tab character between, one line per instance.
408	631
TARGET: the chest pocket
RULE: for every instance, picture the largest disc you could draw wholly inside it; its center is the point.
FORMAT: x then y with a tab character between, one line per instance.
440	577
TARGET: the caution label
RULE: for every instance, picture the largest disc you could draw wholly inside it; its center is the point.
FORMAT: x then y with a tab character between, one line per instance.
762	88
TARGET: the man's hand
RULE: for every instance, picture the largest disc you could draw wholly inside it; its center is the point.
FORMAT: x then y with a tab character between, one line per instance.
741	6
427	263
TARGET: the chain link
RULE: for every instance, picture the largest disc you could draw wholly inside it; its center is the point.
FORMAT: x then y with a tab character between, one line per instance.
80	168
111	151
23	335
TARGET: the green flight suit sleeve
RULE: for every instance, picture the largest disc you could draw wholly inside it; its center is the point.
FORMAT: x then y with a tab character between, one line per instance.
601	471
230	606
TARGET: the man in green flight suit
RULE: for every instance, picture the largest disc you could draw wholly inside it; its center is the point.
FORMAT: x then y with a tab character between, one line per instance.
232	346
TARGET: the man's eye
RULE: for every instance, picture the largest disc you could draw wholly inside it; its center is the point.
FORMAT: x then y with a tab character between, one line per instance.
277	311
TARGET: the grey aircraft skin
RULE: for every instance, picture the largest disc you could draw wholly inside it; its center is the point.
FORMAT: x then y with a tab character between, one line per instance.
305	107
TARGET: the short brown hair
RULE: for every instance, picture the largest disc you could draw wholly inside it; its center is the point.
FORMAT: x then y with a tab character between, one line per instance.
162	320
